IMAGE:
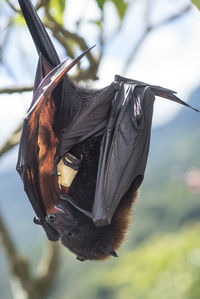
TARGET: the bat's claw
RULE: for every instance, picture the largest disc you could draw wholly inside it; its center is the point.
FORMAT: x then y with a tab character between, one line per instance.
38	221
72	161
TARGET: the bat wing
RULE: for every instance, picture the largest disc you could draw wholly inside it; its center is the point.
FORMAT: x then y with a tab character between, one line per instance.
124	150
48	57
27	164
125	146
38	147
40	37
26	167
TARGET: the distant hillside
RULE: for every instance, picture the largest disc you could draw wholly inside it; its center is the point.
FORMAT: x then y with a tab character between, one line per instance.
165	267
178	142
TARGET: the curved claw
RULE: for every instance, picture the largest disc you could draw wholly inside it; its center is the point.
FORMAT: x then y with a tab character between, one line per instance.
38	221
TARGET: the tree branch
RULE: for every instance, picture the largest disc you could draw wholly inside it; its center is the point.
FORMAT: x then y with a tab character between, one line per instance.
11	141
12	6
11	90
39	4
63	36
19	267
48	268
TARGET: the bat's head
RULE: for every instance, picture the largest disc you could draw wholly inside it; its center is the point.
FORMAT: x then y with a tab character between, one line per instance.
79	234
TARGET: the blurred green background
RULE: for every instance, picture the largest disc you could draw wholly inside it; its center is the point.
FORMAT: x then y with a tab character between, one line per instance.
161	255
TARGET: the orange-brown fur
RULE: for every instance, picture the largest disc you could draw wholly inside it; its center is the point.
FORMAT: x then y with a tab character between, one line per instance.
117	231
46	149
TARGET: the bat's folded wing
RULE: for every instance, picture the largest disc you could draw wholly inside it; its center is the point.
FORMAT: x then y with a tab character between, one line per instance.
124	149
125	145
31	187
40	37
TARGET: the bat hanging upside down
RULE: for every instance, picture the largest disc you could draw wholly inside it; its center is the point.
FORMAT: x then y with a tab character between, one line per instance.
83	153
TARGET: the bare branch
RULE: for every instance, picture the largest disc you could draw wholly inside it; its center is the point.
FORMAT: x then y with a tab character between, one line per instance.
16	89
48	268
19	267
11	141
63	35
39	4
150	28
12	6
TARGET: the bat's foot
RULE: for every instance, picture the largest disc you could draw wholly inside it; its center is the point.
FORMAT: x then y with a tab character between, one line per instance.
71	161
68	160
38	221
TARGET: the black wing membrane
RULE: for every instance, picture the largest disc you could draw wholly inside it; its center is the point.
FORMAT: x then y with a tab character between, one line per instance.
49	73
125	146
28	163
48	59
157	90
31	186
124	150
89	120
39	34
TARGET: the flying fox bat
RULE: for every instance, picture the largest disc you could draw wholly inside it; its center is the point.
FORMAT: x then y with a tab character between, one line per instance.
83	153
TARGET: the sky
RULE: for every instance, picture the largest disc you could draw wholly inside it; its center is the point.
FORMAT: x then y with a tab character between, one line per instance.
169	56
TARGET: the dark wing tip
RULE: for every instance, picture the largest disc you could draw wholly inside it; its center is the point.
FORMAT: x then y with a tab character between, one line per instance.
165	93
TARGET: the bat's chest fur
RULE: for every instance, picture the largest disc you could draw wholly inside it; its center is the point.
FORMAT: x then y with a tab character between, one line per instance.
82	189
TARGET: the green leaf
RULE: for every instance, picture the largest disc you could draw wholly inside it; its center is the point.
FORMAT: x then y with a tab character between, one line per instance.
18	19
121	7
57	8
100	3
197	3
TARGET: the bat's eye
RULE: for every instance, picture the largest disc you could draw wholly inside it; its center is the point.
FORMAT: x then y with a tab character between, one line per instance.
51	217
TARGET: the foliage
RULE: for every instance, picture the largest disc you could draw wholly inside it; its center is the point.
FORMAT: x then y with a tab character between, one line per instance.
120	5
163	267
52	13
167	267
197	3
57	8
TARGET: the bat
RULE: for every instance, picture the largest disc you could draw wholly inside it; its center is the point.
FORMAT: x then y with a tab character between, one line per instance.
83	152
